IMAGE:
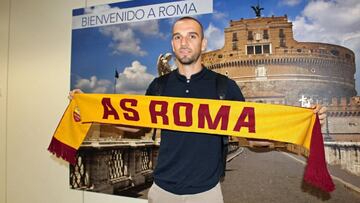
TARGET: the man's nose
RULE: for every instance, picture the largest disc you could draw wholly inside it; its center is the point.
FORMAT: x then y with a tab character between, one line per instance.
184	41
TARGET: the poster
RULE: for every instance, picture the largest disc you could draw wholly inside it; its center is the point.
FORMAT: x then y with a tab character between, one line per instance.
282	52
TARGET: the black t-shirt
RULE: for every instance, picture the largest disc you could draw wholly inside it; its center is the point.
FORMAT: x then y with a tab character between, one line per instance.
190	163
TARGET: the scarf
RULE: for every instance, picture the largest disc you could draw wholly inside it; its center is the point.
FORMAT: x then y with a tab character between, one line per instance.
289	124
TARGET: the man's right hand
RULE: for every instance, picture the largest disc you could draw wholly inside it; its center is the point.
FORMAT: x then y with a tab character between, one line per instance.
73	92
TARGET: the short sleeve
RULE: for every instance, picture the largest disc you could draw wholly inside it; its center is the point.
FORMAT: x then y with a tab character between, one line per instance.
234	93
151	88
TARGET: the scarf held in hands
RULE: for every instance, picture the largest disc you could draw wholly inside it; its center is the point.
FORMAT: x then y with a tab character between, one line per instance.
295	125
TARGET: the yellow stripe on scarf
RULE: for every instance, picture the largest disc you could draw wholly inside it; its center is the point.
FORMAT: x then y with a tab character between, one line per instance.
241	119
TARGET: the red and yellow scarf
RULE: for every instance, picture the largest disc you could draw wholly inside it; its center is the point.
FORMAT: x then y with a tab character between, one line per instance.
288	124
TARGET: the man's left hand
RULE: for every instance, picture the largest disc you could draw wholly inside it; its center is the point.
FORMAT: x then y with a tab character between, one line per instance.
321	111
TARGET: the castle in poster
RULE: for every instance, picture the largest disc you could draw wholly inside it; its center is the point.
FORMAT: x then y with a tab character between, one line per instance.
270	66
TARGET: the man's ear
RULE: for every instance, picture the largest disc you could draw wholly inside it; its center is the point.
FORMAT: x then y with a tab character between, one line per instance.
172	46
203	45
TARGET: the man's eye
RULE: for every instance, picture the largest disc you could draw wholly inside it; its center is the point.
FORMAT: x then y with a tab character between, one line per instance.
177	37
193	36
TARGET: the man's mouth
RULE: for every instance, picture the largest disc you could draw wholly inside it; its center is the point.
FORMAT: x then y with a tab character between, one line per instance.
185	51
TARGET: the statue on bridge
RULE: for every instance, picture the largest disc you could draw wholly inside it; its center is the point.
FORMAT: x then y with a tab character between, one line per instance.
163	65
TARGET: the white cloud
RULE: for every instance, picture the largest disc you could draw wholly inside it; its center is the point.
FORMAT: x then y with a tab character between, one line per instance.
217	15
149	28
328	21
171	21
335	22
93	85
98	9
134	79
125	39
220	18
215	37
124	36
290	2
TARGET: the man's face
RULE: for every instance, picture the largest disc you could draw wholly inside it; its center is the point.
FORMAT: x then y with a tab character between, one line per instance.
187	41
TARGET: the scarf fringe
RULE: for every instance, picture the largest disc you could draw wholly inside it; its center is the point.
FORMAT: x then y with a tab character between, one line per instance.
62	150
316	172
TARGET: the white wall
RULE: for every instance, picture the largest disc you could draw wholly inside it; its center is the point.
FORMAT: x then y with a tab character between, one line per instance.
4	38
34	83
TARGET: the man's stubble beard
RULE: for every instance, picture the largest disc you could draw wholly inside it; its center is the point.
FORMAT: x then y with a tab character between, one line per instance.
188	60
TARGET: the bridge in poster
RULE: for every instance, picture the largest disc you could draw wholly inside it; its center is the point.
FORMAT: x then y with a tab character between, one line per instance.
125	168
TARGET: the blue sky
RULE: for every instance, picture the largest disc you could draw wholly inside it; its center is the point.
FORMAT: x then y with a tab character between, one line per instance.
132	49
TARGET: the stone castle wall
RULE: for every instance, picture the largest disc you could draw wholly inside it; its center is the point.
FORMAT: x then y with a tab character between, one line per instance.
261	55
343	119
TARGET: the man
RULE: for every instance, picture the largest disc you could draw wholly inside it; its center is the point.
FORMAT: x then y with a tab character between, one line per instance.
189	164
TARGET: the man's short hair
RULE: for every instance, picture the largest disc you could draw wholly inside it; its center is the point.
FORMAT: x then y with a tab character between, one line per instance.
193	19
